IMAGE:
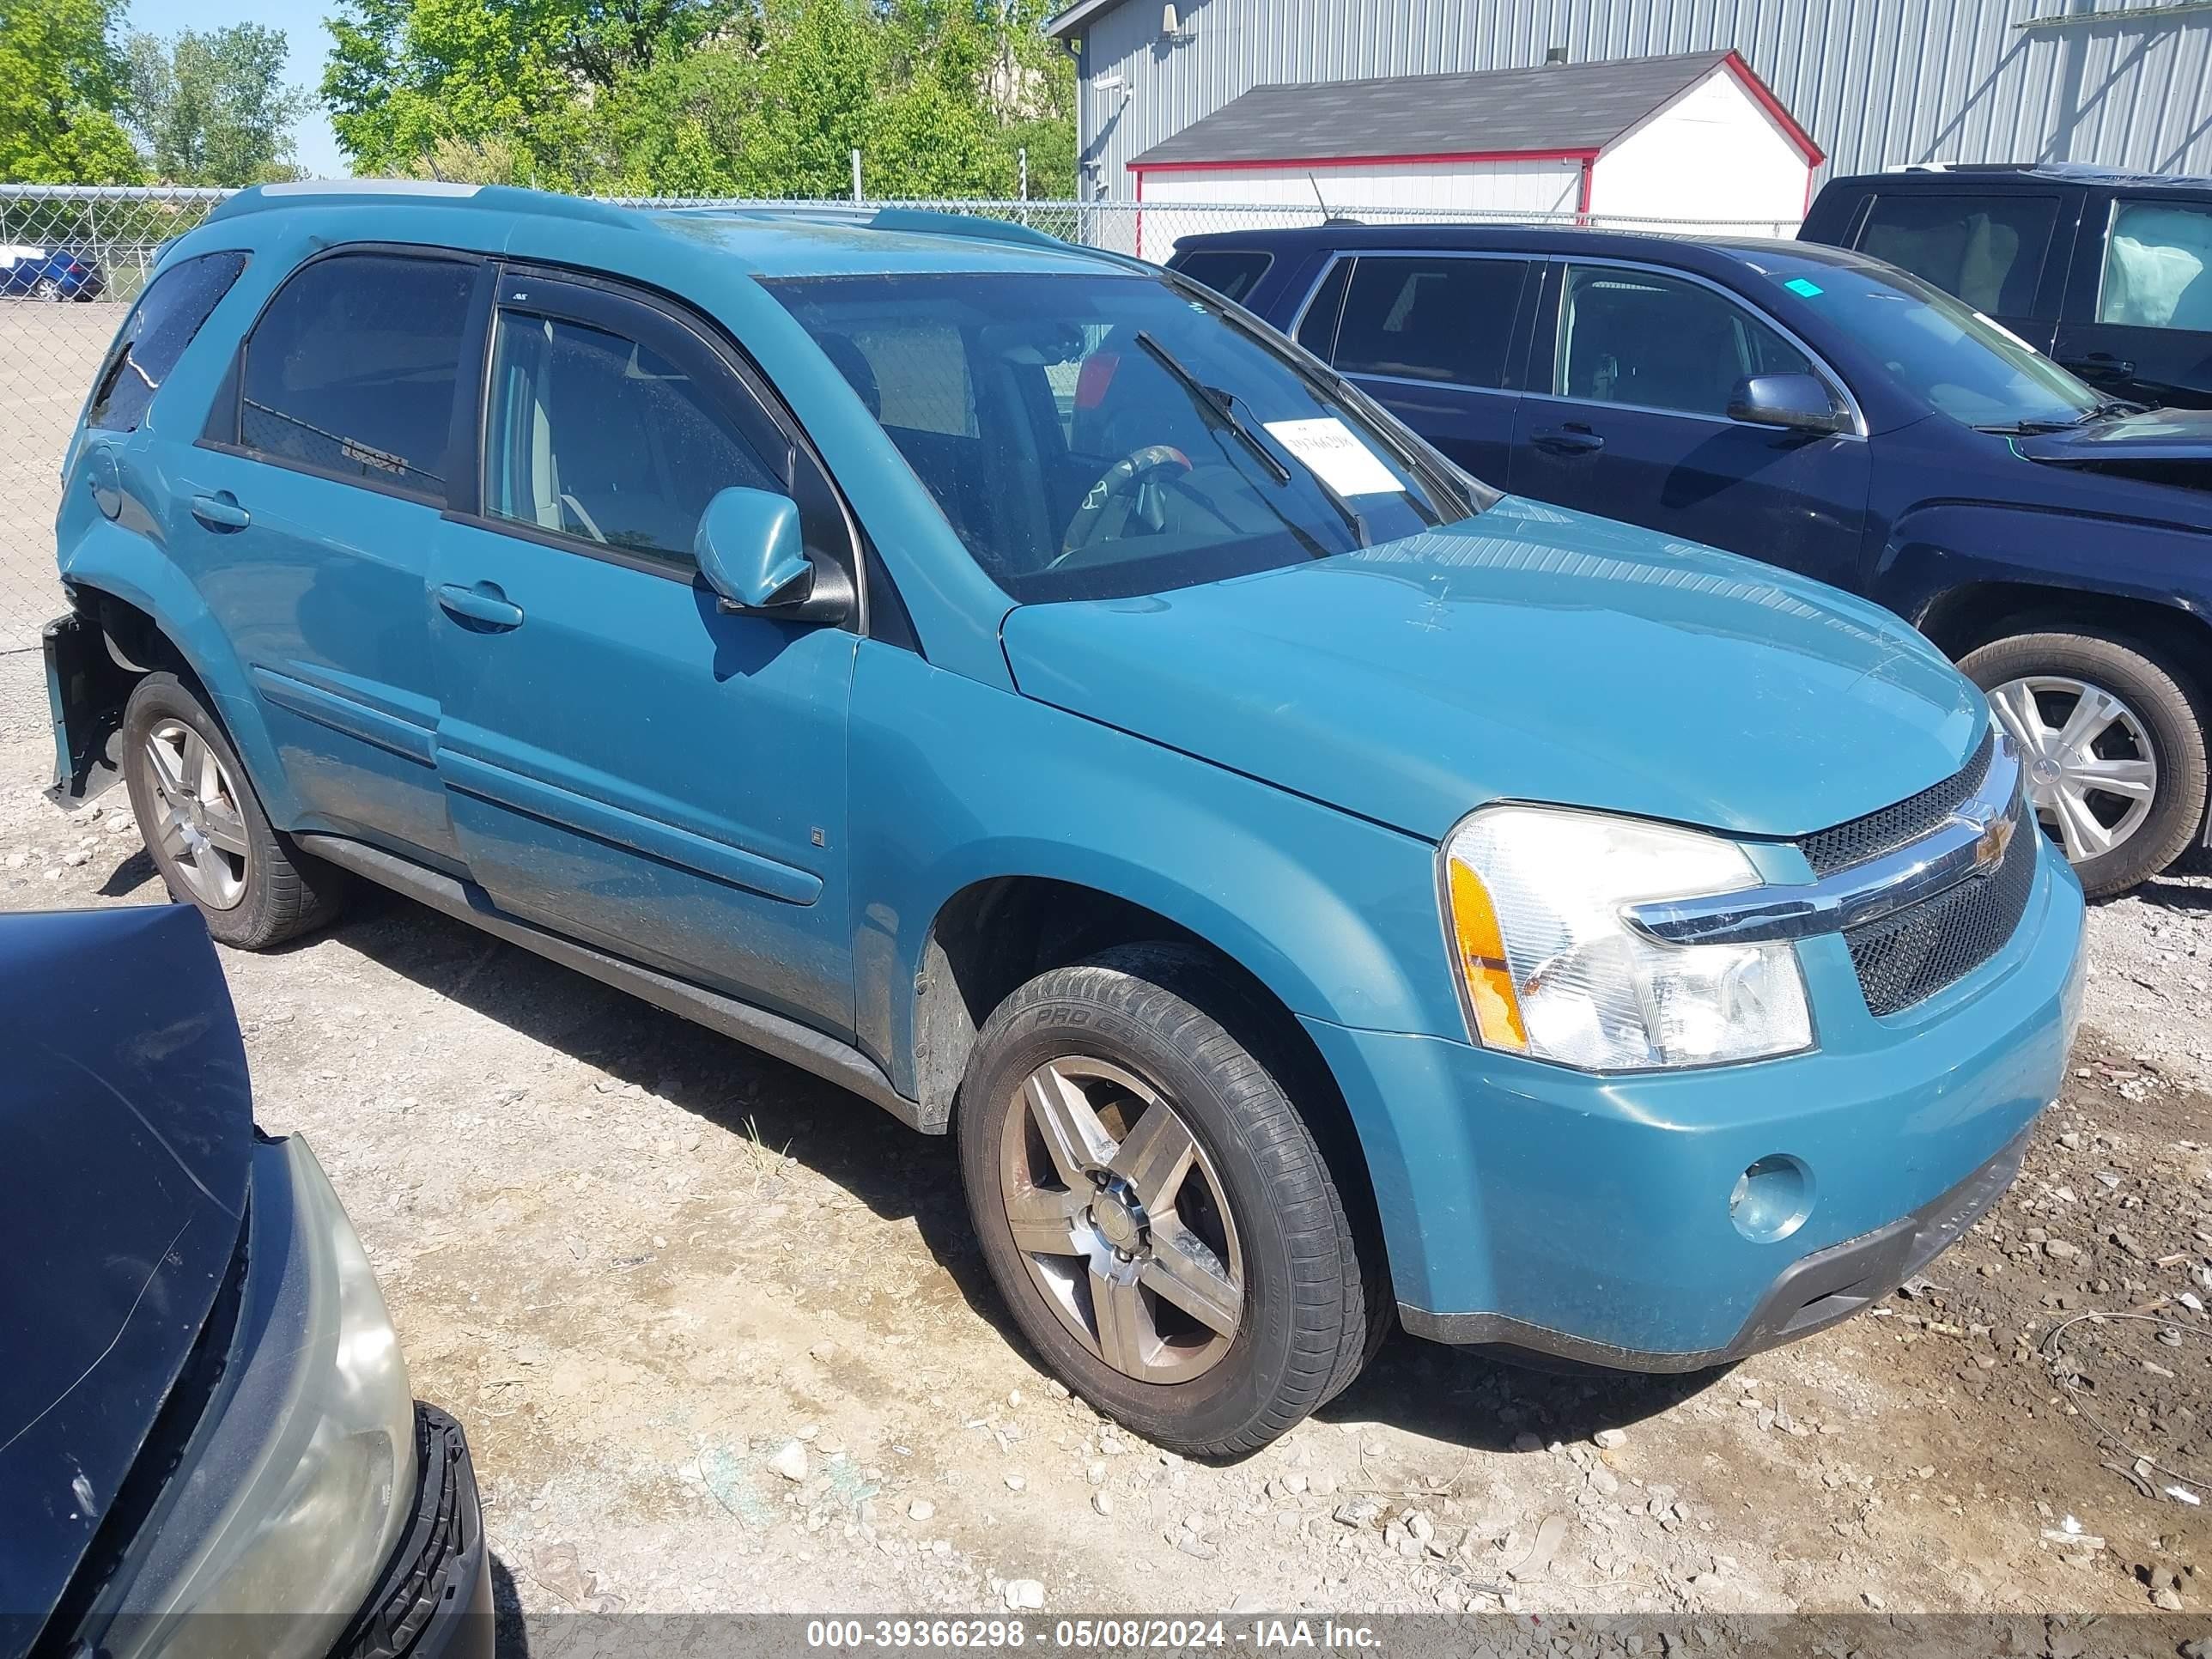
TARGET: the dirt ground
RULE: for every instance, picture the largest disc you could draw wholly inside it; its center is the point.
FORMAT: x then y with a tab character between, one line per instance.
643	1265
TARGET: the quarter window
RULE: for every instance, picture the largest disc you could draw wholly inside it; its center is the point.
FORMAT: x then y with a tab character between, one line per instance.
351	370
1987	249
1317	328
2158	267
160	325
601	438
1633	337
1433	319
1229	271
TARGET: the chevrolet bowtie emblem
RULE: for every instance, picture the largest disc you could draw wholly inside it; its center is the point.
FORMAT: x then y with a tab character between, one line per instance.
1990	846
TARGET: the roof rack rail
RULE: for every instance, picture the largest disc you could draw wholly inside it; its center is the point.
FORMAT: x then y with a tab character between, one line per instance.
921	221
417	192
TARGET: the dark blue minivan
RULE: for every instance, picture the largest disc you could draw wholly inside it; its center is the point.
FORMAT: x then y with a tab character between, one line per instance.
1825	412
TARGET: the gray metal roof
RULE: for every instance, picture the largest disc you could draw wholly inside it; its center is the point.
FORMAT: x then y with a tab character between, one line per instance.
1549	107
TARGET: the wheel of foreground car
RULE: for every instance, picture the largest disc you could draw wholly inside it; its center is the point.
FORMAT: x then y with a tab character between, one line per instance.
1153	1207
206	831
2114	745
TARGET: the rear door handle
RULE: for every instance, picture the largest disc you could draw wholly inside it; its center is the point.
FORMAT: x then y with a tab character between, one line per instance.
221	511
483	605
1567	441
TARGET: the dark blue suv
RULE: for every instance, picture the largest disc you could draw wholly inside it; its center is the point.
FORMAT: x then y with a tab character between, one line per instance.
1825	412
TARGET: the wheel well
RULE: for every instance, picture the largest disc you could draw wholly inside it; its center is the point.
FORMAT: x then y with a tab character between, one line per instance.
995	935
135	643
1965	618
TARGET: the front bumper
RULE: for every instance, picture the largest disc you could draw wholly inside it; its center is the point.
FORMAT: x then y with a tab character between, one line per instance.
433	1600
1588	1217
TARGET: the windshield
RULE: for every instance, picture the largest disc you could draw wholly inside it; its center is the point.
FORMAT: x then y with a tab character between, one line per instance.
1097	435
1944	351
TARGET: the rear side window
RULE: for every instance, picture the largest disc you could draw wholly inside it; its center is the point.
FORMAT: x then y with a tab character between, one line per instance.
1229	271
160	325
1987	249
350	371
1430	318
2158	267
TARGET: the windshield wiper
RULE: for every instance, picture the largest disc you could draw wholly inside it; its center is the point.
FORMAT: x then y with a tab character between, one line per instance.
1214	404
1223	406
2105	410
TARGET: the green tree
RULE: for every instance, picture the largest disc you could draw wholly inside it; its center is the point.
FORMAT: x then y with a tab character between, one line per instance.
766	98
212	108
515	79
61	86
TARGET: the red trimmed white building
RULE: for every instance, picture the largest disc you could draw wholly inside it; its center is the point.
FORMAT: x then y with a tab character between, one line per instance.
1695	140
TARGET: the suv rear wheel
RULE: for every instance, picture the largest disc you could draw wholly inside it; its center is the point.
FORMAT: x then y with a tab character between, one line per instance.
1153	1207
205	828
2114	747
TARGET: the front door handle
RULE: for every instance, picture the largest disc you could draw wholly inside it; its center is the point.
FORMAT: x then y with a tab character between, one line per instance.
2101	366
1567	441
482	604
221	511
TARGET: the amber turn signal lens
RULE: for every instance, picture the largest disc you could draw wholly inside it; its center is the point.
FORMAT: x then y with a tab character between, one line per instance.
1482	966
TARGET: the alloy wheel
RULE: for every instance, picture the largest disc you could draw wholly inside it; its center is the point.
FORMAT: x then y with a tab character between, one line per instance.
199	823
2090	768
48	290
1122	1221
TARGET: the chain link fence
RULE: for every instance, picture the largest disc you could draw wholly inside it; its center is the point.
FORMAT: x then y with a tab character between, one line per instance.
72	260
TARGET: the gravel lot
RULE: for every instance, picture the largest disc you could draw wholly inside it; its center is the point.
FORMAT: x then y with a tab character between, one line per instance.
721	1341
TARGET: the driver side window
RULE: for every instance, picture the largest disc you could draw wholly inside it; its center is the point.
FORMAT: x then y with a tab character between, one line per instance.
600	439
1635	338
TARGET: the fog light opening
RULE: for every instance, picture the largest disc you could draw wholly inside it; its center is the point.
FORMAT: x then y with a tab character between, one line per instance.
1772	1198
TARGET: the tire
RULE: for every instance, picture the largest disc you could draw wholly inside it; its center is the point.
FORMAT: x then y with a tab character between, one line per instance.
1131	1030
2159	719
213	843
47	289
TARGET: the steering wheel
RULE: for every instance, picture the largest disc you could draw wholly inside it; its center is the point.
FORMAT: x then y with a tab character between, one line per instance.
1122	478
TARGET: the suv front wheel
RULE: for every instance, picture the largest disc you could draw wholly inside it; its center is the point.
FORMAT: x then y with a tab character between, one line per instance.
2114	745
1153	1206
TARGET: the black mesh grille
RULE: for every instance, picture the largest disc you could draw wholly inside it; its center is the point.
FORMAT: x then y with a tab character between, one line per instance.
1905	958
1831	850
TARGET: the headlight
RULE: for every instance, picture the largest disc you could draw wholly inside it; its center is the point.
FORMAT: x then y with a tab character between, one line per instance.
327	1421
1549	967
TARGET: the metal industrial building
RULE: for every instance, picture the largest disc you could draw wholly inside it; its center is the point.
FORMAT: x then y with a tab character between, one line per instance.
1877	82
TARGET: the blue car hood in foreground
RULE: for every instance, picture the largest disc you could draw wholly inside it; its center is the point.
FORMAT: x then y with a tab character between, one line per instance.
1530	654
126	1140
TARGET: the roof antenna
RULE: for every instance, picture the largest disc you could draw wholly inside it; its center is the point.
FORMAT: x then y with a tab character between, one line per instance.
1320	200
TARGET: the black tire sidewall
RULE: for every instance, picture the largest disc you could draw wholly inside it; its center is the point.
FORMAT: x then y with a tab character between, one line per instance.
2172	719
1223	1408
162	696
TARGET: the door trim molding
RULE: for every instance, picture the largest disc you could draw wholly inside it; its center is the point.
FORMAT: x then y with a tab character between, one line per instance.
786	1040
719	860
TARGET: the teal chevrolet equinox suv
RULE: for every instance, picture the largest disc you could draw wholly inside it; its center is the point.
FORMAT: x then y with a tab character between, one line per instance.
1316	891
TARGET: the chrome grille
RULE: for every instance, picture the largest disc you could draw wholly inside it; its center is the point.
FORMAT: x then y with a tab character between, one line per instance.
1838	848
1906	958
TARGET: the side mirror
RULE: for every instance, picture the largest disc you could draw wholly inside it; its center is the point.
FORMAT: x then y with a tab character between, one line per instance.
1802	403
750	552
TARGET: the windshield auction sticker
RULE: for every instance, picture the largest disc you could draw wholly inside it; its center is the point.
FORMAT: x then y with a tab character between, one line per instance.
1336	456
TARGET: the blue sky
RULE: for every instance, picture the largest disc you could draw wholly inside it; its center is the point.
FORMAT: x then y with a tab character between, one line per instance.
315	146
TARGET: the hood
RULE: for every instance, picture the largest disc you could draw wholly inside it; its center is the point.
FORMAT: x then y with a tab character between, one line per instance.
1530	654
128	1125
2164	446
